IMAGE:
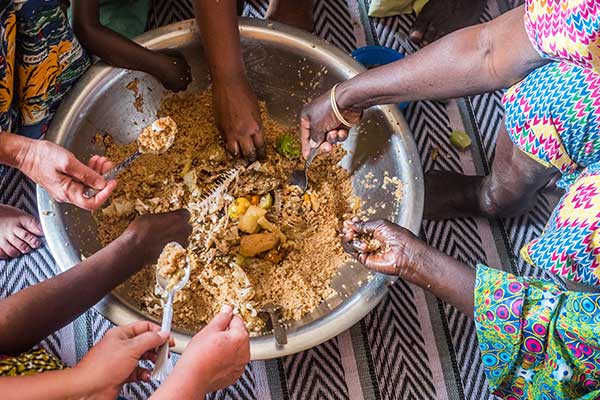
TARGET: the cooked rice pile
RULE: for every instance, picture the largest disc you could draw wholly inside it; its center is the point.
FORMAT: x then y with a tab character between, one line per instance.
295	274
157	137
171	264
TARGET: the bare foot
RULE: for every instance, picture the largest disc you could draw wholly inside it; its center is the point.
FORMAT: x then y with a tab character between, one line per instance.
19	232
296	13
440	17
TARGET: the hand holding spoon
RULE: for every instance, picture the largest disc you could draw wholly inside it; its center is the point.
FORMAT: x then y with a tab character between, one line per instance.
154	139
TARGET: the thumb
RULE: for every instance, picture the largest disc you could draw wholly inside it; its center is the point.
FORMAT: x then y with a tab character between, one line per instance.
84	174
222	320
147	341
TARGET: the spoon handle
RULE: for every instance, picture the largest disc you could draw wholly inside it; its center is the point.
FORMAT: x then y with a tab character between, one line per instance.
90	192
162	368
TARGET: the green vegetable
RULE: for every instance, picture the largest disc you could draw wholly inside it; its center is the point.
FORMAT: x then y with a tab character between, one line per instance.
288	146
460	139
266	201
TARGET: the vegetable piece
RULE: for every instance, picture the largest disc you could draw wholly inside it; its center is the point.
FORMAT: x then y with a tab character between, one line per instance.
249	221
460	139
266	201
271	227
287	145
254	200
238	208
252	245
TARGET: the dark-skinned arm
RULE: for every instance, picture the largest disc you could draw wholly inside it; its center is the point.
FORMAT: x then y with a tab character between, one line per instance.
117	50
403	254
32	314
235	105
470	61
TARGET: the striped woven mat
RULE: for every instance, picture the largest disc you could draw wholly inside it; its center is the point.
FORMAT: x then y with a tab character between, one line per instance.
412	346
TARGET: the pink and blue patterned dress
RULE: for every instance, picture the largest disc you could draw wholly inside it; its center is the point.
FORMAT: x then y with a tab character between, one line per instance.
536	341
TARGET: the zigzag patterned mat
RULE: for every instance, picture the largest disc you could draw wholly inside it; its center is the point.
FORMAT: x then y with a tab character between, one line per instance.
412	346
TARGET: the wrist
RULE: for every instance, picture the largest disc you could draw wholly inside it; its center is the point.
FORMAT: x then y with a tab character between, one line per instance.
187	383
227	77
347	104
15	150
81	386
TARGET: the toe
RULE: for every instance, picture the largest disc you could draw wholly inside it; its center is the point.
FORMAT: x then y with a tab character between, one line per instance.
418	30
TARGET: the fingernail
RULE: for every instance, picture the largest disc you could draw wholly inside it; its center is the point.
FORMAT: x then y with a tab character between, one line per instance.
227	309
164	335
146	376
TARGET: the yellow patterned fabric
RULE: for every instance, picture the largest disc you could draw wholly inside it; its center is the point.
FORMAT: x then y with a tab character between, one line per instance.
30	363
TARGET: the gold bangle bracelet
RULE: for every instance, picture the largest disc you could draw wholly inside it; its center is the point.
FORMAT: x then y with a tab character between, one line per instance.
336	110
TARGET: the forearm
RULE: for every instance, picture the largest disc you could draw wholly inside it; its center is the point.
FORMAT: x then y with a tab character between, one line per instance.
473	60
13	149
33	313
59	385
218	25
445	277
112	47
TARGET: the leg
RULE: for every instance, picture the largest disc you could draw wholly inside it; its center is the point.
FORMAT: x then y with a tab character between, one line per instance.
19	232
510	190
440	17
297	13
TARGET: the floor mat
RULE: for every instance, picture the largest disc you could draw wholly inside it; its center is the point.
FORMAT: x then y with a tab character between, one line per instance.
412	346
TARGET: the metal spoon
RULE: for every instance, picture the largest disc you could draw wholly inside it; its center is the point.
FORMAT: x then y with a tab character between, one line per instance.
278	327
90	192
162	366
299	177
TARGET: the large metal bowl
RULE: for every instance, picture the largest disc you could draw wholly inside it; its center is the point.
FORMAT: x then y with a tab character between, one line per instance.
283	66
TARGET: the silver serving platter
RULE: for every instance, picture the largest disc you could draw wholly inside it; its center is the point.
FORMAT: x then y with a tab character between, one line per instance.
286	67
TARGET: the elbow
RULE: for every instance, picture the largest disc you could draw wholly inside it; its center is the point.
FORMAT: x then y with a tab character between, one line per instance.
487	58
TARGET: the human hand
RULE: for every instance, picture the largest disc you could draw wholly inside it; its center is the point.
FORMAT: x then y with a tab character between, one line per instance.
318	124
217	356
238	118
64	177
382	246
173	71
151	232
114	360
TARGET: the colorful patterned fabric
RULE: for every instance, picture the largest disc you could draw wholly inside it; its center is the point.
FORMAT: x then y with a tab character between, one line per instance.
560	128
536	341
29	363
40	60
565	30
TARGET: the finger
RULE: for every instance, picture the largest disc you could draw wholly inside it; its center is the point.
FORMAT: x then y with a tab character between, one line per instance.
305	135
147	341
139	374
419	28
233	147
137	328
342	135
31	224
150	356
430	34
83	174
93	161
237	326
325	147
9	250
221	321
259	144
75	196
332	137
104	165
247	146
3	255
19	244
368	227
